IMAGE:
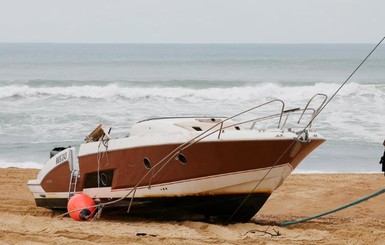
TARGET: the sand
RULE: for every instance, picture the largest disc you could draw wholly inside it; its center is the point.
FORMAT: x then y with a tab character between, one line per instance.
302	195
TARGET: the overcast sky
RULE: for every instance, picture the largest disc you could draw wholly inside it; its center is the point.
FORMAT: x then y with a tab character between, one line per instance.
192	21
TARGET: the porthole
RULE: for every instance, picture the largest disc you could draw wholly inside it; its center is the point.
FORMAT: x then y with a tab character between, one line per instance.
147	163
182	158
103	179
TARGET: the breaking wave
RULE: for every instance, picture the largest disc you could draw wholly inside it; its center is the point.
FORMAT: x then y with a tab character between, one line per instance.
220	91
355	114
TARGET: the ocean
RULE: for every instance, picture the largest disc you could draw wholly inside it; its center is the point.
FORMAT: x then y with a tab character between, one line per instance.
56	94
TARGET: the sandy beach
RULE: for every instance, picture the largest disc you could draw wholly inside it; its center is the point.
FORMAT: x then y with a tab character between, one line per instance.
302	195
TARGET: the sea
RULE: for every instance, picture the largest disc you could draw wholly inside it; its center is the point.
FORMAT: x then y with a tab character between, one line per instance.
55	94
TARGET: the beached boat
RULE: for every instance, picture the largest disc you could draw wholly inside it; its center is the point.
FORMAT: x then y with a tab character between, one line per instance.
216	168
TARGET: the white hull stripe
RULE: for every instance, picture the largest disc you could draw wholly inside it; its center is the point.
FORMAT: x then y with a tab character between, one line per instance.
233	183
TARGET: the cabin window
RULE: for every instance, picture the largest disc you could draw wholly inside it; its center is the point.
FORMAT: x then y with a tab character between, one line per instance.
197	128
237	128
147	163
105	179
182	158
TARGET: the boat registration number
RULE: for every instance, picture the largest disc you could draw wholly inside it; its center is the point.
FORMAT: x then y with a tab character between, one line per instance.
62	158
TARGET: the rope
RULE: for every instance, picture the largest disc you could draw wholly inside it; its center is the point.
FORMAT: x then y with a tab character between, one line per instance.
333	210
359	200
347	79
306	127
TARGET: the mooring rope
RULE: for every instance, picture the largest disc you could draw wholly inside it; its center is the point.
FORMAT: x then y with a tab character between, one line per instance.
359	200
333	210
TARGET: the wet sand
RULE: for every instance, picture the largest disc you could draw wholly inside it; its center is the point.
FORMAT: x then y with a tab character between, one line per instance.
302	195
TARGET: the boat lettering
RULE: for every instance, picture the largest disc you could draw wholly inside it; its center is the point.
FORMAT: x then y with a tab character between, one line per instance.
61	158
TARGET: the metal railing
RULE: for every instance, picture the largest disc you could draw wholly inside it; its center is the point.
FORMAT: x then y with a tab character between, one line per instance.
251	109
280	115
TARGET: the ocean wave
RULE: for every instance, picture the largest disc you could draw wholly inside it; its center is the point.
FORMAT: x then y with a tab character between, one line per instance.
354	114
216	91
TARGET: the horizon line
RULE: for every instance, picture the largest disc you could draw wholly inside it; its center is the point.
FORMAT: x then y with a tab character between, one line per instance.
199	43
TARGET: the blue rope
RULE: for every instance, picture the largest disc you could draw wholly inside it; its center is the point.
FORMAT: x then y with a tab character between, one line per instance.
334	210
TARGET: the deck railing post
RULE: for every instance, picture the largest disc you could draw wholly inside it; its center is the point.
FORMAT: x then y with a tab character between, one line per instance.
220	130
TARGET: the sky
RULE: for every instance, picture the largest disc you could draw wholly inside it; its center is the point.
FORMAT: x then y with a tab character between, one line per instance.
192	21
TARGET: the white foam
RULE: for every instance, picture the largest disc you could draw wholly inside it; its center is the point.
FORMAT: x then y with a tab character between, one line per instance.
264	90
355	114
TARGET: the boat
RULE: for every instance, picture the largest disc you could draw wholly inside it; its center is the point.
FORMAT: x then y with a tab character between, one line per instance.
210	168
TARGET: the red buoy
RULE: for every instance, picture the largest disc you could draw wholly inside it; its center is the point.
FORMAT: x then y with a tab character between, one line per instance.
81	207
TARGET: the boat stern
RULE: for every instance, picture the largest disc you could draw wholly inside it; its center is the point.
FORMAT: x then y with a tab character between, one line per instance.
62	164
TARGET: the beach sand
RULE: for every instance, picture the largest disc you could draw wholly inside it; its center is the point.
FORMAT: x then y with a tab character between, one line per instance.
302	195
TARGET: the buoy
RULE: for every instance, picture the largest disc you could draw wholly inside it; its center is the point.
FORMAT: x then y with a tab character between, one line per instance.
81	207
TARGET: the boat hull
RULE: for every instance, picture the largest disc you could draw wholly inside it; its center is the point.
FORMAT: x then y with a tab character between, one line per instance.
222	181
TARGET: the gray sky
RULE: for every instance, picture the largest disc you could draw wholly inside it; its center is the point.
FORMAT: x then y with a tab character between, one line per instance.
192	21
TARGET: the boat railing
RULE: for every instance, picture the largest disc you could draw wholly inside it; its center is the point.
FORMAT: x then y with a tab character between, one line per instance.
315	113
282	118
249	110
282	115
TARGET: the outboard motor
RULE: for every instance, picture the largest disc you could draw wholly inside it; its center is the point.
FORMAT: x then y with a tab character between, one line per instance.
56	150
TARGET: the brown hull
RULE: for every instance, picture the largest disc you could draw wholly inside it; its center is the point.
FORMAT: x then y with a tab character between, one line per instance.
125	168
